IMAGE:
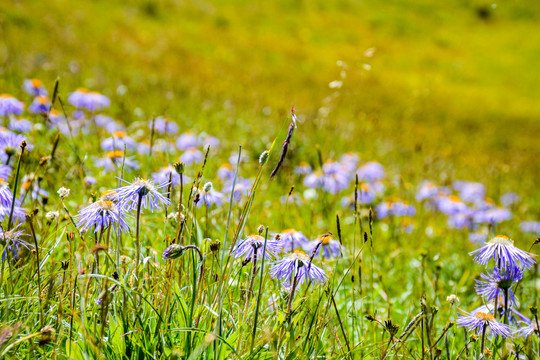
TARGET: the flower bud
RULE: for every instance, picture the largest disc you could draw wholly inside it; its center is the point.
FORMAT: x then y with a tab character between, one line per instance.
174	251
263	158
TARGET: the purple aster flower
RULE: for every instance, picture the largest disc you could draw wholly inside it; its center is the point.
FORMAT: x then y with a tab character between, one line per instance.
103	214
502	250
150	195
163	125
292	239
233	159
18	212
191	156
12	242
88	100
108	123
329	246
371	171
169	172
510	198
10	106
470	191
530	226
34	87
480	320
526	331
494	283
460	220
297	265
450	205
253	243
6	196
492	216
10	144
207	140
90	180
5	171
20	125
226	172
209	196
303	168
40	105
113	160
394	208
117	142
478	237
187	140
426	190
349	161
241	187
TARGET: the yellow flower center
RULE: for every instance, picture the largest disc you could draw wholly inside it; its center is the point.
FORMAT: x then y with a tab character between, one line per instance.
288	231
501	239
115	154
484	316
106	204
36	82
325	239
119	134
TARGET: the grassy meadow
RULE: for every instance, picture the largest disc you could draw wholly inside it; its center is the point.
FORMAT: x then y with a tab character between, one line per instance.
413	142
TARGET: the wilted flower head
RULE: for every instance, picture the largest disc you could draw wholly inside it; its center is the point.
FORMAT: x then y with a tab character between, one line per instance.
502	250
173	251
144	189
394	208
10	144
20	125
297	265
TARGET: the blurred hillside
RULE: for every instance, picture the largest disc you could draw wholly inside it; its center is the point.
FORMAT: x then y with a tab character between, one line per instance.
423	83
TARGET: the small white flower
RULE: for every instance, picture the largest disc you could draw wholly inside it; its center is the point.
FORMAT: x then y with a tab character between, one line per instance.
452	299
51	215
336	84
63	192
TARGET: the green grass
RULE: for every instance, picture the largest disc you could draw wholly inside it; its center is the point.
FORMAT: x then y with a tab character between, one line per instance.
447	95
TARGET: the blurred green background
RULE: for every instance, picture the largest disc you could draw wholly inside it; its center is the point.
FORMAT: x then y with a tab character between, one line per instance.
434	87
